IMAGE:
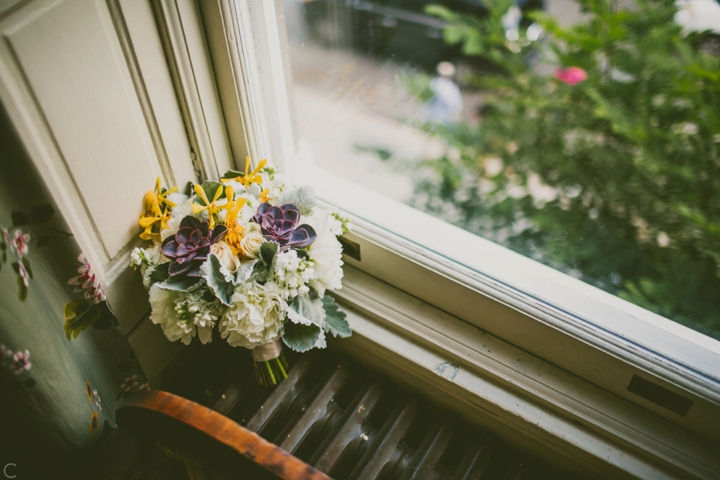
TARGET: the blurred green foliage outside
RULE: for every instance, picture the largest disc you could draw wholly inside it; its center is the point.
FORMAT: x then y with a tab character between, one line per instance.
614	179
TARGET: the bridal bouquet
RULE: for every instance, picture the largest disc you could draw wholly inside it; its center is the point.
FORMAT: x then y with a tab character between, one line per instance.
248	255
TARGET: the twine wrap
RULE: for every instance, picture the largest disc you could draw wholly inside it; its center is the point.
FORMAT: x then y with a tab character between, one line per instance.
267	352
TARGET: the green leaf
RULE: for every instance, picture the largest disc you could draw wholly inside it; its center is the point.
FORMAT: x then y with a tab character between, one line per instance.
42	241
440	11
77	318
261	273
26	263
301	338
184	284
19	218
303	198
210	188
41	213
119	395
159	273
306	311
218	279
104	318
29	383
263	269
233	174
267	252
335	322
22	289
188	190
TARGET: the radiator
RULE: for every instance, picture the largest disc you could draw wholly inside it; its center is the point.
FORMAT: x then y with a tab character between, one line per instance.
352	424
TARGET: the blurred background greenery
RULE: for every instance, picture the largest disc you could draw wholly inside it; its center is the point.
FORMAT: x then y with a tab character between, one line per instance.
613	179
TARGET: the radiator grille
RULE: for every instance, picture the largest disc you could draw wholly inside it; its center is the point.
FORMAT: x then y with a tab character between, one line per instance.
353	424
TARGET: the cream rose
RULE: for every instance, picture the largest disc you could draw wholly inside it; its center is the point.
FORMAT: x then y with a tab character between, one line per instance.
252	241
227	259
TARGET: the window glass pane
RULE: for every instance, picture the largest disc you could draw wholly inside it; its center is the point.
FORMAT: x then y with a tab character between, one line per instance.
583	135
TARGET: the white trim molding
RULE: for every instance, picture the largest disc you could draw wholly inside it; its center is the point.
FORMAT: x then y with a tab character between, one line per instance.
195	84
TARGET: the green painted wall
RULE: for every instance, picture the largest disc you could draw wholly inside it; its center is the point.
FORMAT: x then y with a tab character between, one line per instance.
46	429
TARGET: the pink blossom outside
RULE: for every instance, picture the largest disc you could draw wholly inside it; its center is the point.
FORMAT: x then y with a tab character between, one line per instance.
571	75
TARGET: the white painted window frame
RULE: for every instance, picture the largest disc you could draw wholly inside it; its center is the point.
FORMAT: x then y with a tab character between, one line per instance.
543	353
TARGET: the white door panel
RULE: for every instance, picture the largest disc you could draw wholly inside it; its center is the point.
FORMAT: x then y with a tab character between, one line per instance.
77	72
87	86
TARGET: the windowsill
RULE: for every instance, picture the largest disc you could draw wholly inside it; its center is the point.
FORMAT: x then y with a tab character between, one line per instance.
579	328
532	403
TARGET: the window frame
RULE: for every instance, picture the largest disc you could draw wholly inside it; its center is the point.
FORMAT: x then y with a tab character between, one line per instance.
568	326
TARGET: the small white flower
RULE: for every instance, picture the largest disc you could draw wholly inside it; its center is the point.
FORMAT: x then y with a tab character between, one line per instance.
136	258
293	273
147	259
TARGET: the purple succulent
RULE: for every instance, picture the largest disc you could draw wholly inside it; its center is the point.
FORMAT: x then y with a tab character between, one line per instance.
190	246
279	224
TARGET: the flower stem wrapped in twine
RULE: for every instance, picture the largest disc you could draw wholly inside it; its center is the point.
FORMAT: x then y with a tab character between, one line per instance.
270	364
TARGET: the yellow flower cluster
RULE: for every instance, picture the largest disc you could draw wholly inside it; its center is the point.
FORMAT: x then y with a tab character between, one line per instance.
157	210
251	177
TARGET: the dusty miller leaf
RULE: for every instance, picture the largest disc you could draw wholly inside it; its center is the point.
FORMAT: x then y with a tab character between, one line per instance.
301	338
244	272
335	322
186	284
219	280
159	273
302	197
306	311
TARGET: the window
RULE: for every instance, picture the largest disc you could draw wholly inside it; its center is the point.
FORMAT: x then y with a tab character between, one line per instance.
488	310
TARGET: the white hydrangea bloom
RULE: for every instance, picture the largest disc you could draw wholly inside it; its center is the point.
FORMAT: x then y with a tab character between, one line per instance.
182	315
326	251
163	303
256	317
293	273
333	224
